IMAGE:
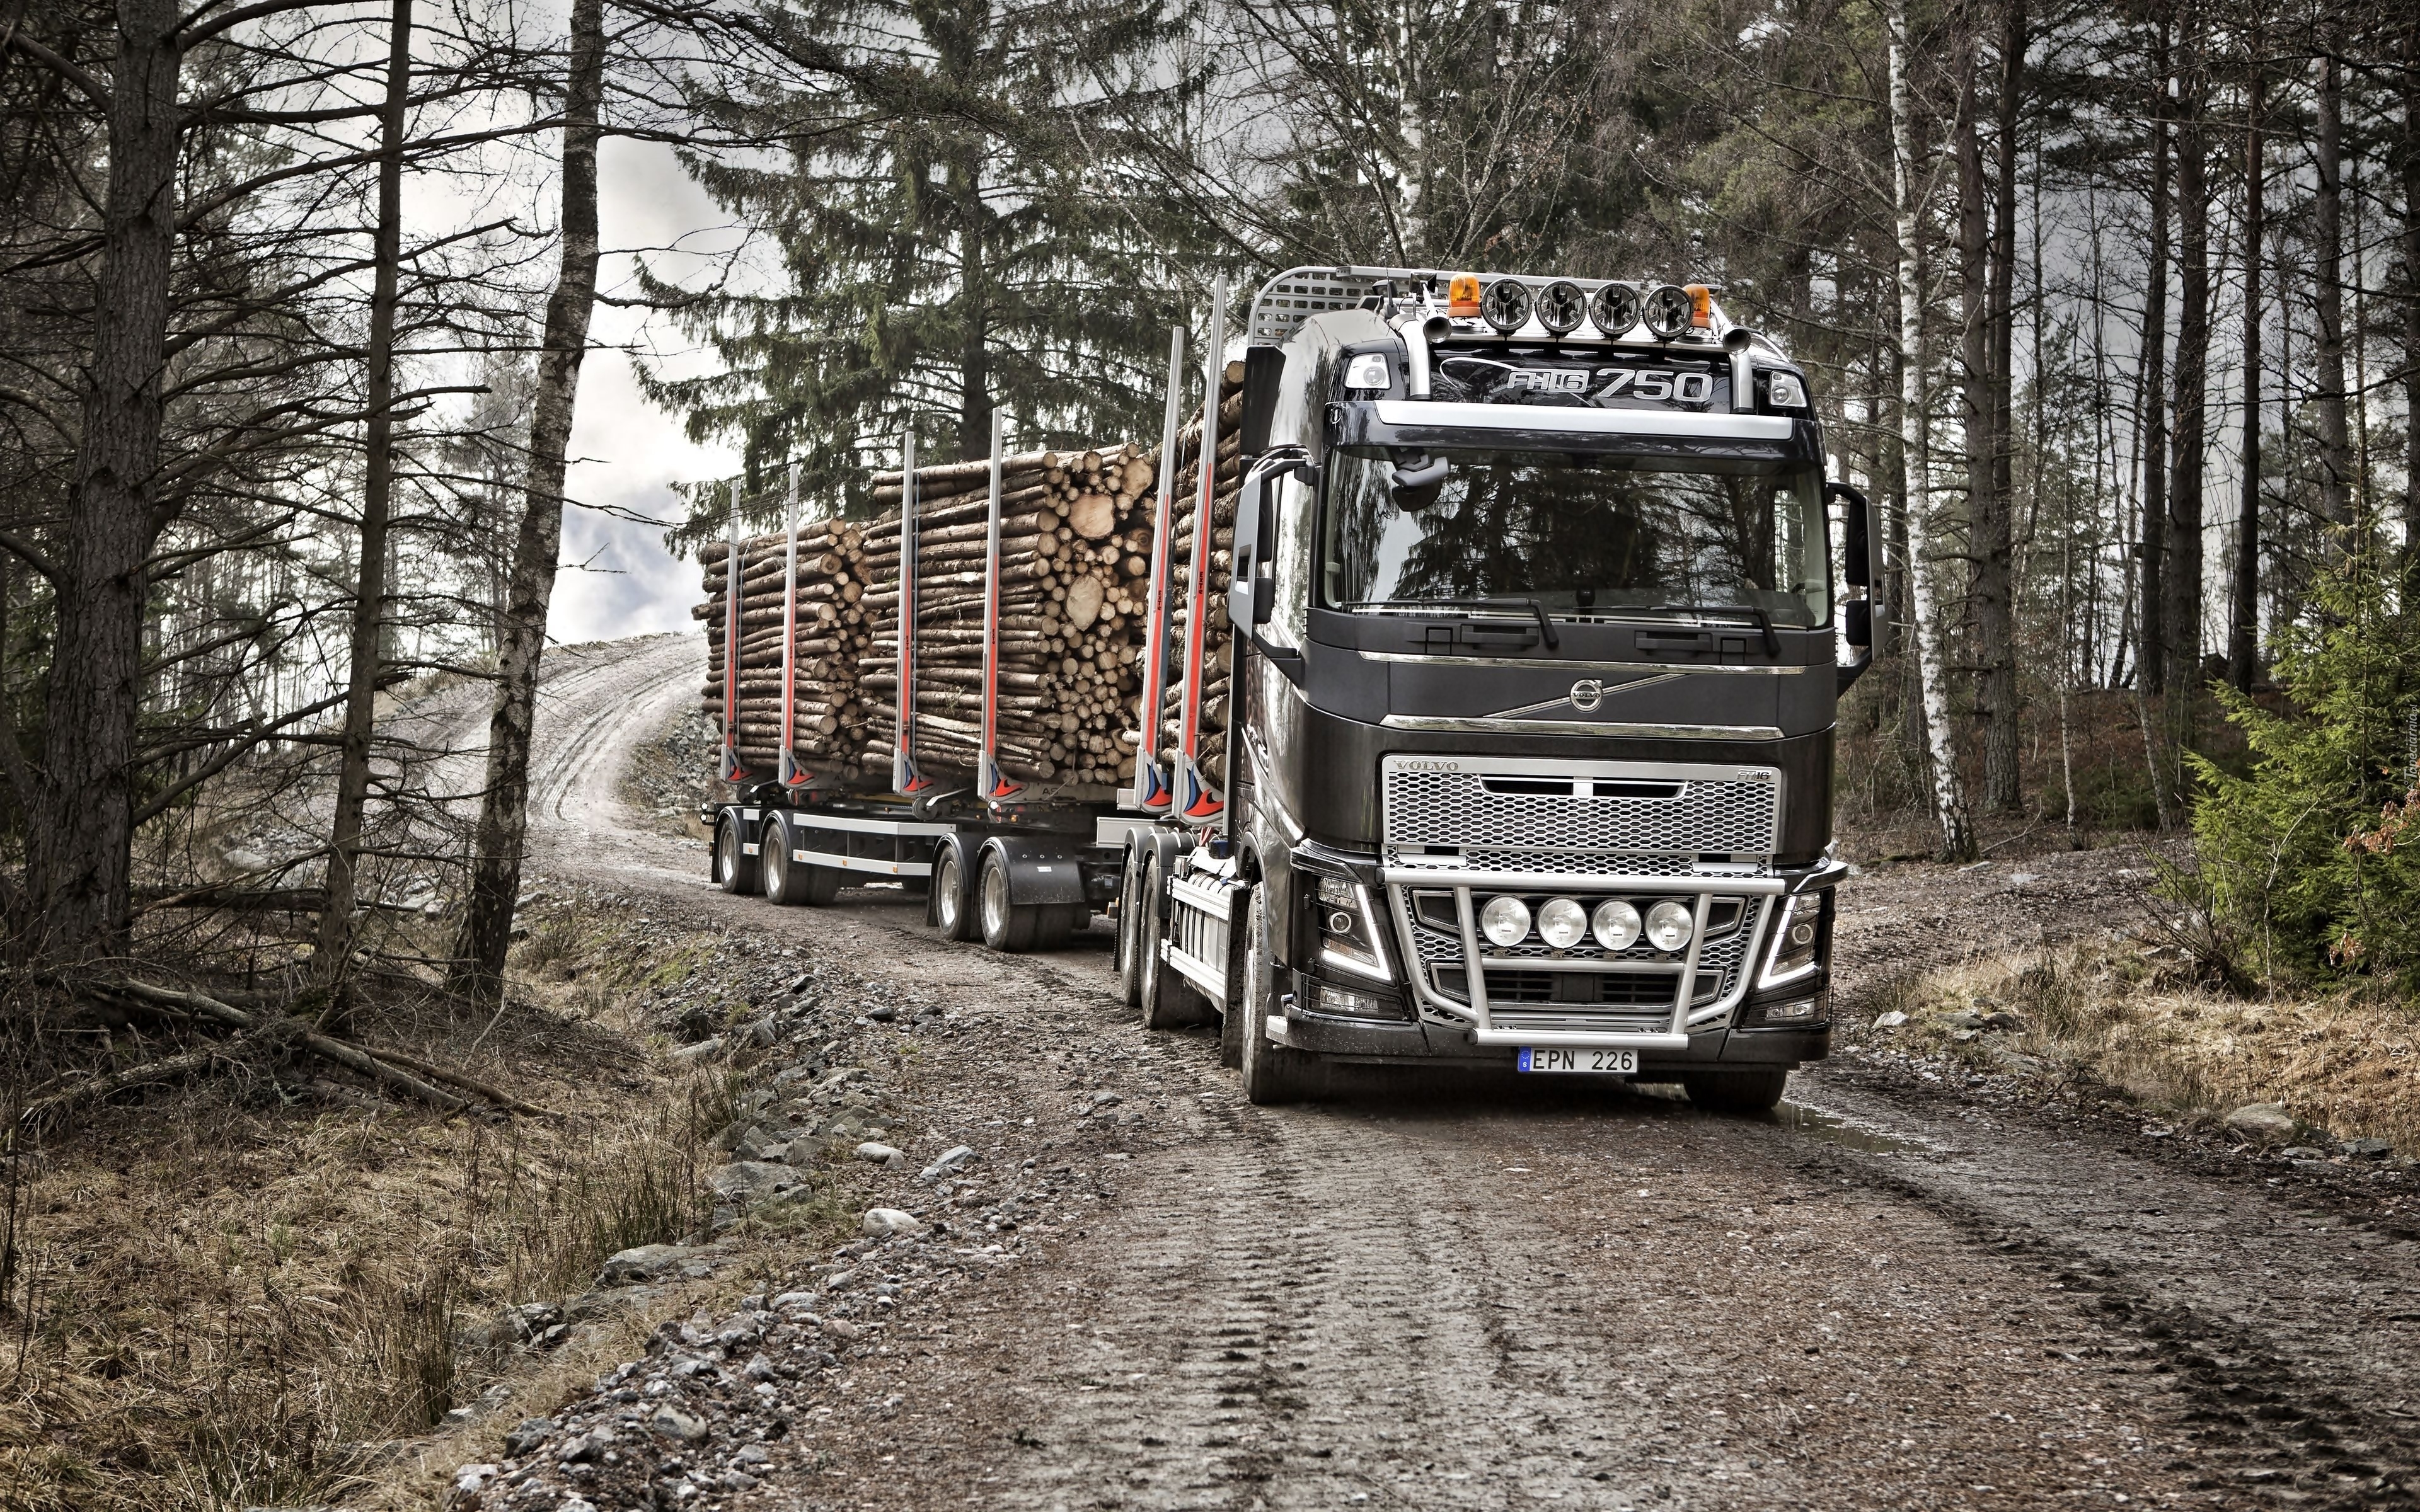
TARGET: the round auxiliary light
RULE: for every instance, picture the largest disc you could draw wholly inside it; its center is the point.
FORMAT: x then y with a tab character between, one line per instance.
1505	920
1507	305
1614	308
1616	924
1667	312
1562	924
1561	306
1670	925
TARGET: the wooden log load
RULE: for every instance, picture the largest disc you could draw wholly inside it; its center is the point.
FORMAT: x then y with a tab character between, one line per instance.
1076	552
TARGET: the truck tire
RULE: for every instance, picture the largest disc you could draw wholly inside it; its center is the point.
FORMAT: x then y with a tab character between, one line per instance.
1168	1002
1008	928
1741	1089
1273	1073
789	881
734	869
1129	948
954	899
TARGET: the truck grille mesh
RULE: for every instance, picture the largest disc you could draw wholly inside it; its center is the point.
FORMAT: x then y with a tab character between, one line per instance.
1455	809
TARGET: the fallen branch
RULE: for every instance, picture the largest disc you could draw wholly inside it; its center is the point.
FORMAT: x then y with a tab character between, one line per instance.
91	1088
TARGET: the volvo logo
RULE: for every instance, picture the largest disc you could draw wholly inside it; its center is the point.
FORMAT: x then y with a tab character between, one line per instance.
1587	694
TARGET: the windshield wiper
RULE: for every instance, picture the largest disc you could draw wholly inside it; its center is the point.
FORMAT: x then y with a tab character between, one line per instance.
1763	621
1422	605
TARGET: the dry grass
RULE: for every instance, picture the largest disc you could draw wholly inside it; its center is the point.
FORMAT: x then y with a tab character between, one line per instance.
222	1298
2127	1015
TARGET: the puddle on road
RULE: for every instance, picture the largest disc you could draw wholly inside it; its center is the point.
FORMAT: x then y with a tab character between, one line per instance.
1814	1123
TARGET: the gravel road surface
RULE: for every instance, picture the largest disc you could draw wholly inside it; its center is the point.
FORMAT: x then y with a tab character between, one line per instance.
1490	1293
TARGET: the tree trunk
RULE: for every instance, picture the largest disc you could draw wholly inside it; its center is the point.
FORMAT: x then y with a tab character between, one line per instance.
504	810
369	599
2327	294
80	833
1928	647
2153	392
974	358
1995	618
2181	585
2411	302
2243	629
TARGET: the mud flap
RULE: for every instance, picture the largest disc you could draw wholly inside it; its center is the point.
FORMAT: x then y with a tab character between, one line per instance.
1042	869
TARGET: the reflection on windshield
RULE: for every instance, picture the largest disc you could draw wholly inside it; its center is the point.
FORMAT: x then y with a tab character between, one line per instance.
1582	534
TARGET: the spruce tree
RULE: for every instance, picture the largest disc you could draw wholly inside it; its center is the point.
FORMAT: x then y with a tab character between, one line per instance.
953	223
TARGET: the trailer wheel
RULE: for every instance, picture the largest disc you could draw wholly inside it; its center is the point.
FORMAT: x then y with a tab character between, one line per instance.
1168	1002
1272	1072
1130	929
735	869
1007	927
954	910
785	879
1736	1090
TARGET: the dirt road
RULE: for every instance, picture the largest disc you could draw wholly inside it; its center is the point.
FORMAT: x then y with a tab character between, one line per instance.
1490	1294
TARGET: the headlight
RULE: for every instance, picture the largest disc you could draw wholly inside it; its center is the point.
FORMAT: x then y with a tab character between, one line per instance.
1796	936
1505	920
1785	390
1561	306
1669	310
1614	308
1617	925
1562	924
1669	926
1348	936
1507	305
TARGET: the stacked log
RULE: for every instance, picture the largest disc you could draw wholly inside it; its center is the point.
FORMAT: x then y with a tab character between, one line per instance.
1211	752
835	627
1075	551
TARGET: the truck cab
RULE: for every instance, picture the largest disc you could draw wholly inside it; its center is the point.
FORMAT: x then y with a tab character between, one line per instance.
1540	613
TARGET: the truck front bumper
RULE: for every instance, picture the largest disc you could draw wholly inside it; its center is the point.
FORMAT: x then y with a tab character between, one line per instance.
1410	1041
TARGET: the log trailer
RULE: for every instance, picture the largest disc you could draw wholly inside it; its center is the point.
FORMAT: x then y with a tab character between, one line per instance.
1533	641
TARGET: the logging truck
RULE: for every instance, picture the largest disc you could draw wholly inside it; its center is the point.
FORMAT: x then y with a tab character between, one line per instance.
1487	660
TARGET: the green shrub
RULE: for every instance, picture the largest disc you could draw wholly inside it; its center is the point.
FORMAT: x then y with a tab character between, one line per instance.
2303	859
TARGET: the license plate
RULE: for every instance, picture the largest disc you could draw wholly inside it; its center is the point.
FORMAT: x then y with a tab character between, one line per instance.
1584	1062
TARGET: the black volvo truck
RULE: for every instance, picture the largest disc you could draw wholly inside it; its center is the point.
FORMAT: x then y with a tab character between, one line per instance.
1541	608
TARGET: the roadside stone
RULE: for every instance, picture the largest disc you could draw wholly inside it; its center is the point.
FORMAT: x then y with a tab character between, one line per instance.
761	1143
1891	1020
1961	1018
691	1055
880	1154
761	1033
2366	1148
884	1222
2263	1121
882	1012
528	1434
843	1330
752	1180
948	1163
669	1421
2302	1152
648	1262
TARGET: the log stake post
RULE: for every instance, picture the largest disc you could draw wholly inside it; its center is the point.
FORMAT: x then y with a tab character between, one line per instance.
992	784
731	771
1151	792
905	780
1196	802
791	774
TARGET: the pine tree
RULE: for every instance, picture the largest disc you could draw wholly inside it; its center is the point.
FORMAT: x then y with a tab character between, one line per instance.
951	229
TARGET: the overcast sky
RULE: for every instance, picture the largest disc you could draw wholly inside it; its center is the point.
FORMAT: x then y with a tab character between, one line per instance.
618	580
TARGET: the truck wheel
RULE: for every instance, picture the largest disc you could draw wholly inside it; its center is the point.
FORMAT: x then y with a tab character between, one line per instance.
734	868
1735	1091
1168	1002
823	884
1130	929
1272	1072
1006	927
785	879
953	900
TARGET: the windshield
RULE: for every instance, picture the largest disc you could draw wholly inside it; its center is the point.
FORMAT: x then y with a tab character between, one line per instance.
1586	536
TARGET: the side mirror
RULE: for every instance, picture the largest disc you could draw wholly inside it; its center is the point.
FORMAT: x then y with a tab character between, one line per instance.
1862	620
1263	374
1248	600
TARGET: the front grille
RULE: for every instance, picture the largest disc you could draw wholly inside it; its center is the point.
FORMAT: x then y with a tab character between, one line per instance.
1553	863
1578	1020
1718	814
